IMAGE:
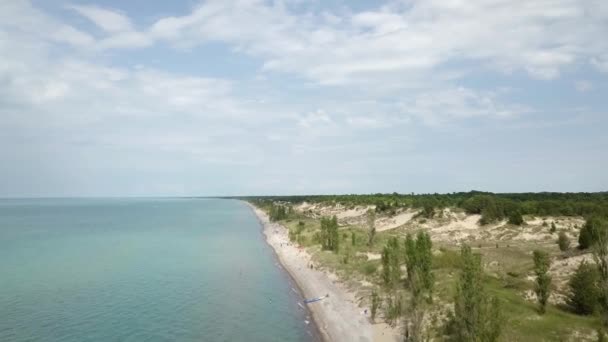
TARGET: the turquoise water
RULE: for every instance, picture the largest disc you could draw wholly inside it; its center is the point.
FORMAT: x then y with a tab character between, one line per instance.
141	270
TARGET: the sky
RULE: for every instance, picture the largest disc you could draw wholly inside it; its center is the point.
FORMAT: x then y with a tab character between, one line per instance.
260	97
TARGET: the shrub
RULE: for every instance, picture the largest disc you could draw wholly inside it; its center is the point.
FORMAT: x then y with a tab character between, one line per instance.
446	259
393	310
516	219
369	268
590	232
585	238
553	228
375	304
584	291
371	226
563	242
302	240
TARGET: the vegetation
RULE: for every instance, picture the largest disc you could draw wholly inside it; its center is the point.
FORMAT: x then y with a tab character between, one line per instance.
278	212
543	279
584	291
421	281
477	316
414	298
515	218
418	262
563	242
599	232
393	309
374	307
391	266
371	226
330	238
593	229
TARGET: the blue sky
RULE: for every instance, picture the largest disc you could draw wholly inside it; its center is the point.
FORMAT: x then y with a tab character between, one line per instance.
235	97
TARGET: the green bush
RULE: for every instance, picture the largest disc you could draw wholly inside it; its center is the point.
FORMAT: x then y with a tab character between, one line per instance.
585	238
584	290
590	231
563	242
516	219
370	268
446	259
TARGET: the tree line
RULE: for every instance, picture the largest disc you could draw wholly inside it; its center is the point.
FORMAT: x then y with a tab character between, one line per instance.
494	205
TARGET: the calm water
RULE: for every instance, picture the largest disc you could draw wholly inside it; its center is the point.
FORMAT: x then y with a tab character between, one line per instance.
141	270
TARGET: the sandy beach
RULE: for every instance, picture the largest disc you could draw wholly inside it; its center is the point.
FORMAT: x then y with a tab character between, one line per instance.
338	316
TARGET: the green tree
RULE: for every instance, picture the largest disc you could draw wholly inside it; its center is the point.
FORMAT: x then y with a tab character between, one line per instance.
330	236
428	207
375	304
477	317
324	234
590	231
490	213
563	242
277	212
394	258
410	255
335	235
515	218
393	309
391	267
371	226
418	261
599	232
386	268
585	238
584	291
424	264
543	279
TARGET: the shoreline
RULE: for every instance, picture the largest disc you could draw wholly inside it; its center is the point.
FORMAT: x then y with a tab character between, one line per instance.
338	317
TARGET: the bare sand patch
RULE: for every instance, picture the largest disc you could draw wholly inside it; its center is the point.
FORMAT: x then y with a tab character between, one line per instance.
387	223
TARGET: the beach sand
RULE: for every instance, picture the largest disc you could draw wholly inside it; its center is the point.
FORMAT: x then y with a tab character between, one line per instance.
338	316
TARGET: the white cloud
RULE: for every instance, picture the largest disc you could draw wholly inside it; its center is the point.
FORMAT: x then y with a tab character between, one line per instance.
539	37
364	81
438	106
125	40
19	16
314	119
583	86
108	20
600	63
72	36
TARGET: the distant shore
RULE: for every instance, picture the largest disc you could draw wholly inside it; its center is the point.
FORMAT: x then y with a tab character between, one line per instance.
338	317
